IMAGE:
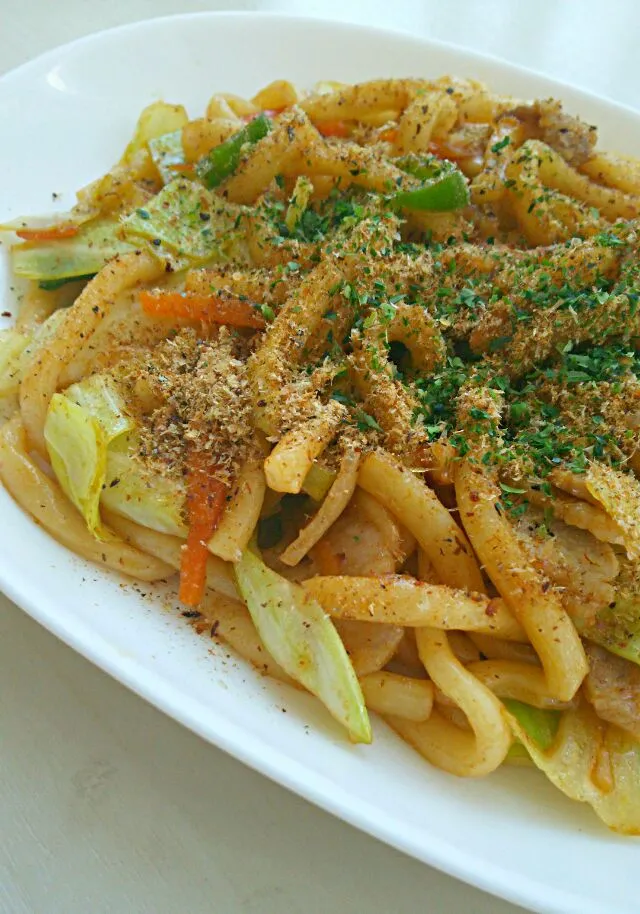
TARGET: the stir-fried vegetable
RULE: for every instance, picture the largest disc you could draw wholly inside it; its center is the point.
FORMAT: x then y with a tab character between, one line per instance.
132	489
206	500
298	203
50	233
130	181
442	195
235	312
188	222
99	395
619	495
78	454
77	257
50	285
167	152
443	186
12	345
303	640
156	121
616	627
80	425
541	725
334	128
590	761
223	160
318	481
93	450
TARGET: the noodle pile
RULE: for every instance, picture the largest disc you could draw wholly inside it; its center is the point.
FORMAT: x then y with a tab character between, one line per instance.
362	364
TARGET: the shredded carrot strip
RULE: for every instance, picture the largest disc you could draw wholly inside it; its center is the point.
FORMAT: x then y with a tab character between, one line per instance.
206	499
390	135
182	167
235	312
49	233
333	128
444	151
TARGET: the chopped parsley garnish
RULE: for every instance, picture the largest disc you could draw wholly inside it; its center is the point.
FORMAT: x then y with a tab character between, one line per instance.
608	240
365	421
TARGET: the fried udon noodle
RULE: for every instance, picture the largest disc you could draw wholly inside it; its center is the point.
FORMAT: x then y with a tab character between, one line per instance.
361	364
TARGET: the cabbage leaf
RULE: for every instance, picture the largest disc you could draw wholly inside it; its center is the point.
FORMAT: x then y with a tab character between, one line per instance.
303	640
68	258
318	481
152	148
589	761
189	223
80	425
134	490
77	450
167	151
616	627
99	395
92	444
12	345
619	495
541	725
155	121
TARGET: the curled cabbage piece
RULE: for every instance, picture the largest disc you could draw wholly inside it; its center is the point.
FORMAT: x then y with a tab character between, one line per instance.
167	151
128	184
540	724
190	224
156	121
77	450
12	345
615	624
80	425
318	481
590	761
82	255
619	495
135	491
303	640
92	444
99	395
617	627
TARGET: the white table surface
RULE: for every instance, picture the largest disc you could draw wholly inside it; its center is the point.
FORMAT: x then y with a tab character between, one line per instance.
106	805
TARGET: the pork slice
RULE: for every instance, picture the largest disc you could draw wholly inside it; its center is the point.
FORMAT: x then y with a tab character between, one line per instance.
612	686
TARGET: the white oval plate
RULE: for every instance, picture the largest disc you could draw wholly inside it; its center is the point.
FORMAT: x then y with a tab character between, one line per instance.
65	118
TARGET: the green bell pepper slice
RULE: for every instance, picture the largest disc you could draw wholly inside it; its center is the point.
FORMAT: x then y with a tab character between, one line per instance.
444	188
222	161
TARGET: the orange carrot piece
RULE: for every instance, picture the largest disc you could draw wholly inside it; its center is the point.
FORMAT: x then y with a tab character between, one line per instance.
333	128
49	233
390	135
183	167
445	151
235	312
206	499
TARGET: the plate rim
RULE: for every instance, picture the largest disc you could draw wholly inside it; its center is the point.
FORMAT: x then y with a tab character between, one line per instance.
233	739
305	18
